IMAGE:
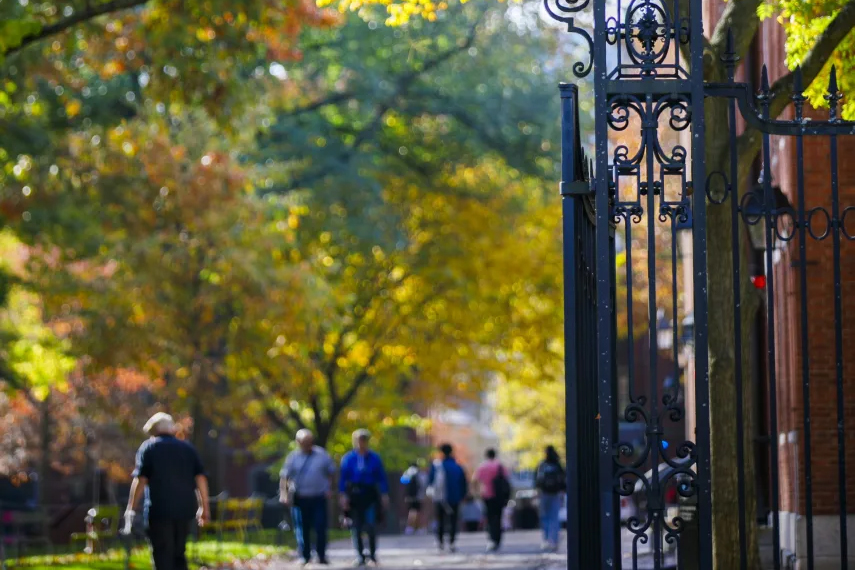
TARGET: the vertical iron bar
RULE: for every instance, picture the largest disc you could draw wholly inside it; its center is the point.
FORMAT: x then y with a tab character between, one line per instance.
769	200
630	325
803	285
571	318
699	243
674	328
648	140
609	547
616	530
838	349
737	321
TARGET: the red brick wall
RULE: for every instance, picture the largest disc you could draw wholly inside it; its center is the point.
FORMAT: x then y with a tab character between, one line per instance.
819	304
821	331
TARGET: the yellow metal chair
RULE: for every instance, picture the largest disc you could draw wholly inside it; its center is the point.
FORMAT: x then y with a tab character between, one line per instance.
234	519
254	509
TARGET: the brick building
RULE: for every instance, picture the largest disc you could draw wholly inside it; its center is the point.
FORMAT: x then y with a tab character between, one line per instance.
820	359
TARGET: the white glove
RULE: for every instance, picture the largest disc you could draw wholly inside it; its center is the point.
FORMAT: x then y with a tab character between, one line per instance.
129	521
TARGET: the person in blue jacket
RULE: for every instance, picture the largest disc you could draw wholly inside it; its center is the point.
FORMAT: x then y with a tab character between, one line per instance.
448	488
364	490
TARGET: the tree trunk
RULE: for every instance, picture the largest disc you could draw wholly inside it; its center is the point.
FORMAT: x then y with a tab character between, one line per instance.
723	373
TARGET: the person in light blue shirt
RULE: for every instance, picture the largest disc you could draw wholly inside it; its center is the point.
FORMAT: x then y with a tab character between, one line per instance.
304	485
364	489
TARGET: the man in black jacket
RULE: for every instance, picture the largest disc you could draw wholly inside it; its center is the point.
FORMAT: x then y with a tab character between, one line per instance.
177	492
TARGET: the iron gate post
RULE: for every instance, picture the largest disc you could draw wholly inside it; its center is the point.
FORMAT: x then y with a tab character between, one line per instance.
583	529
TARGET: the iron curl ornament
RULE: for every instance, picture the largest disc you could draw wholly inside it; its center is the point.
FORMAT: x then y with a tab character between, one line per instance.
565	11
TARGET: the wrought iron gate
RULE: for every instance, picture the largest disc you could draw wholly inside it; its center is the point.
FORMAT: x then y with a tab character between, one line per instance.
637	304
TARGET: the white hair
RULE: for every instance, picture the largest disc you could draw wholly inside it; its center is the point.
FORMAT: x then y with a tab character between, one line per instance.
361	434
303	434
159	423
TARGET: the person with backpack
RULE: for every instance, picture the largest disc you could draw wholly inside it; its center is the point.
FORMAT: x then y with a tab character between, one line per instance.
551	482
415	483
494	486
448	487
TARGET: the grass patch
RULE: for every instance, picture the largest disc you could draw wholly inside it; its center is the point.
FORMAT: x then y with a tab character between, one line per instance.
206	553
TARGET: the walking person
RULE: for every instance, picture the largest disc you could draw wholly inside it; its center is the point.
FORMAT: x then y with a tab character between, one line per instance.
415	486
551	482
492	483
364	491
449	487
304	485
177	492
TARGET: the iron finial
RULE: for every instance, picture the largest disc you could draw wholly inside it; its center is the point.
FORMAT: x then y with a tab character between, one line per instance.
729	56
764	80
763	94
833	96
797	81
798	96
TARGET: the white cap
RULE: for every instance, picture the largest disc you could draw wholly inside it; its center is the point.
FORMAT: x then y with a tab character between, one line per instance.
361	434
159	423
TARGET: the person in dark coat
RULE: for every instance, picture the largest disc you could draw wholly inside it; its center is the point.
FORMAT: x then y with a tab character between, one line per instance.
177	492
449	488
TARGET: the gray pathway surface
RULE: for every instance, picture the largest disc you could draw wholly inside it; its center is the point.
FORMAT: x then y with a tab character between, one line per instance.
520	551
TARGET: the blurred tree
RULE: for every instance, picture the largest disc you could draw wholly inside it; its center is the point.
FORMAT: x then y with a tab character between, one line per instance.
146	239
416	156
370	242
527	416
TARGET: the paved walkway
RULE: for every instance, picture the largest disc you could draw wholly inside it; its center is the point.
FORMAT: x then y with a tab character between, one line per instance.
521	551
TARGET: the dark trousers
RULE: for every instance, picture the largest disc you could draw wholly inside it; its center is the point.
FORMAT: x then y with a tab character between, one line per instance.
364	518
494	520
168	540
310	514
472	526
446	520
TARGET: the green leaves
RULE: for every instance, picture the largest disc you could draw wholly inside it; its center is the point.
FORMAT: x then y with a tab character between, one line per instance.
766	10
804	22
13	31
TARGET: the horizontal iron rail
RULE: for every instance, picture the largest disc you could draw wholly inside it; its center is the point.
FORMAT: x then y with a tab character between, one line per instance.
741	92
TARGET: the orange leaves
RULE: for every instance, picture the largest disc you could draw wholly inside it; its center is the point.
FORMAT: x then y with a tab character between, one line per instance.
130	380
113	68
72	108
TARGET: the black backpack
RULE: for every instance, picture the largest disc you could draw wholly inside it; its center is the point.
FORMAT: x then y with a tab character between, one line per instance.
502	487
413	487
550	479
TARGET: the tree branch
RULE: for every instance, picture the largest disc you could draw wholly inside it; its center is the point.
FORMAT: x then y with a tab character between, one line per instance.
739	17
332	99
403	85
85	15
360	380
751	140
271	414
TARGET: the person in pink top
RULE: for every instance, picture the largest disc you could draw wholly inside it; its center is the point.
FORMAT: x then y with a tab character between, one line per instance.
491	481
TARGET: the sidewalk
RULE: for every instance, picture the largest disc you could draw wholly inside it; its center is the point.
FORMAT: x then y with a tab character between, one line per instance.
521	551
